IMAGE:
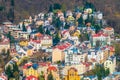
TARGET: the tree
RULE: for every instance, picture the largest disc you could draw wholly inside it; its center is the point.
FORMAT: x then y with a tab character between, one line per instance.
8	72
2	8
23	27
12	40
80	21
56	39
40	29
50	76
100	71
12	2
15	67
57	6
41	76
16	75
97	28
63	7
47	32
98	44
51	8
58	23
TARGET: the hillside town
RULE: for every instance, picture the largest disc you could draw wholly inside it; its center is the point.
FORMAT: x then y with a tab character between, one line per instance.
59	45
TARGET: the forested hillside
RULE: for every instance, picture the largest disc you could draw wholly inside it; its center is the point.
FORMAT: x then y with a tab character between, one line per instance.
24	8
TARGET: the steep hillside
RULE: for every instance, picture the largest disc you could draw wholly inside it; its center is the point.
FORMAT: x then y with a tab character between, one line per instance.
24	8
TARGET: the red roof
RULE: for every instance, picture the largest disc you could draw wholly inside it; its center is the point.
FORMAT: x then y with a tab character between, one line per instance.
63	46
52	68
99	34
27	65
87	64
44	64
31	78
35	41
111	48
93	60
38	34
65	31
108	28
73	69
3	77
5	41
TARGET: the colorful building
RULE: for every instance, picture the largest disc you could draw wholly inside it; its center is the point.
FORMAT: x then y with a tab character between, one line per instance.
30	69
58	52
72	74
102	38
110	64
4	44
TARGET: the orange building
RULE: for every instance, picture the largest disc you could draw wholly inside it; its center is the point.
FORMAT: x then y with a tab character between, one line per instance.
72	74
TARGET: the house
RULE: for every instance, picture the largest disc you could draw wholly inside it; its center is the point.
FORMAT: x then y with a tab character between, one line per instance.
60	13
31	78
30	69
74	56
100	38
109	31
110	64
58	52
23	35
72	74
46	41
41	41
99	55
6	26
65	34
15	33
3	77
90	78
75	39
69	13
13	52
23	42
4	44
81	68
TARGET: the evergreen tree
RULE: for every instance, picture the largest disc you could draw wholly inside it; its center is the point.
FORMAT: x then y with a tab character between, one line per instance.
97	28
57	6
47	32
51	8
107	72
8	72
58	23
15	72
56	39
40	29
23	27
50	77
41	76
80	21
12	2
15	67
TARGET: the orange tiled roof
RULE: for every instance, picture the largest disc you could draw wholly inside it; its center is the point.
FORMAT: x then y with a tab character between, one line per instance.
108	28
52	68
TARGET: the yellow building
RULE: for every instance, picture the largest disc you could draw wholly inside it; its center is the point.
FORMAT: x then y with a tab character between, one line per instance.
23	43
72	74
30	69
